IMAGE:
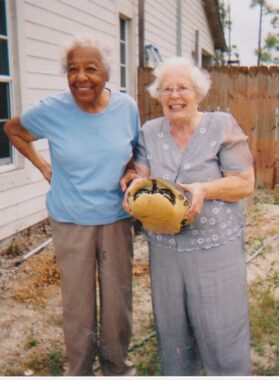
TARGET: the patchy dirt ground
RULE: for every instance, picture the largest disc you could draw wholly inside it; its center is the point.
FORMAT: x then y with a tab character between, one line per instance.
31	337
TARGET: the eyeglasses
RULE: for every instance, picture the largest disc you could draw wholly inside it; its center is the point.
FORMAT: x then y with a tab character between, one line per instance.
182	90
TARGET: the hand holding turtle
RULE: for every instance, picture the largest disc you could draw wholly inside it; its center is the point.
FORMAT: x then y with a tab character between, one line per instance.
127	179
125	185
198	196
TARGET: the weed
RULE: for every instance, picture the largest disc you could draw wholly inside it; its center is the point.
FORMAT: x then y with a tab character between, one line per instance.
39	277
253	243
146	358
42	362
31	340
273	342
264	317
262	313
55	362
37	364
12	370
259	349
276	199
55	320
271	370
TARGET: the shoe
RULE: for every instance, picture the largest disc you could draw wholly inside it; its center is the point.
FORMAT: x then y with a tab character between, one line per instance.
130	370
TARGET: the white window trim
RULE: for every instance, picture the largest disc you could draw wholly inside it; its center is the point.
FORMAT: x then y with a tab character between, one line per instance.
9	162
127	11
17	77
126	45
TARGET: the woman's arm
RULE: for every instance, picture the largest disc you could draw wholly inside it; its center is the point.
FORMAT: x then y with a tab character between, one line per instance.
231	188
23	141
129	175
133	171
142	170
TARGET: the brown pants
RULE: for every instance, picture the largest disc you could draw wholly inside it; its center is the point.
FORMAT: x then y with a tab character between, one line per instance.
80	250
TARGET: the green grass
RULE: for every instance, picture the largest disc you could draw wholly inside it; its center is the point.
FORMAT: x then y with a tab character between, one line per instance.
47	363
146	358
55	363
264	317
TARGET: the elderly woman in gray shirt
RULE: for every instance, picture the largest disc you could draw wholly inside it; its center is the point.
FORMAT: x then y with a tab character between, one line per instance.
198	276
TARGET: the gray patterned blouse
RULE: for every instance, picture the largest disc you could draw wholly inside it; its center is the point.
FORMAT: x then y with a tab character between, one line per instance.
218	145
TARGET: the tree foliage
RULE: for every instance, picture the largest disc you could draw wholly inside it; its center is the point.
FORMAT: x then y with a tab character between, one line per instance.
231	55
268	52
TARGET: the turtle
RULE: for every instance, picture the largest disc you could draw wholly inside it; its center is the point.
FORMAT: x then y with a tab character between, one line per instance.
160	205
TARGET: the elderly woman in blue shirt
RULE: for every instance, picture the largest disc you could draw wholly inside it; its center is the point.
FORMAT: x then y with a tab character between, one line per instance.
91	132
198	276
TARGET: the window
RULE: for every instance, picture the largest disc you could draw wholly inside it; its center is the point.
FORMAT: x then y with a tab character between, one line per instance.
5	86
123	55
207	59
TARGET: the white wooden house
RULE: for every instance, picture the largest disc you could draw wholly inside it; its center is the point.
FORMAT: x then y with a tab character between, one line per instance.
31	35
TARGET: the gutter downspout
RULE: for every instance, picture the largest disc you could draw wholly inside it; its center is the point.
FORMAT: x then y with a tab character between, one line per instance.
179	27
141	30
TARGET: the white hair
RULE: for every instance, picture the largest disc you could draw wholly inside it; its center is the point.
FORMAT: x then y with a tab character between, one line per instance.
200	78
87	41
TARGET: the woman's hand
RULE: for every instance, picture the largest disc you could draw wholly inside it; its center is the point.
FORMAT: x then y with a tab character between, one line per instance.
125	202
198	196
47	172
130	177
127	178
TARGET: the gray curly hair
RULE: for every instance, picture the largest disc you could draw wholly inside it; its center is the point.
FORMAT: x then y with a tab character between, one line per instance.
201	79
86	41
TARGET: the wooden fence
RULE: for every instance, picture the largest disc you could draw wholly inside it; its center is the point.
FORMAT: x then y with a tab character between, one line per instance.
251	95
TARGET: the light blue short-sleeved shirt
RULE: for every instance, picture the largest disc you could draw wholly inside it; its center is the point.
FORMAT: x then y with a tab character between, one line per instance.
88	152
218	145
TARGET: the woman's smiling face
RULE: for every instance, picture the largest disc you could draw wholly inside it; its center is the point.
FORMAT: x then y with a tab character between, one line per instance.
177	95
86	76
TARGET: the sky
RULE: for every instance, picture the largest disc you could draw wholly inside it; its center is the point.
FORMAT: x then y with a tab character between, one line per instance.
245	29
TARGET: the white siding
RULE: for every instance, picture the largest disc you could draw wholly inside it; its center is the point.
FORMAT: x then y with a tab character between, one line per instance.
160	25
42	27
194	18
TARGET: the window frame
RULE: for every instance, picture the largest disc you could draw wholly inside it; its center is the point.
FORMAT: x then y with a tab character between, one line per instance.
7	162
123	44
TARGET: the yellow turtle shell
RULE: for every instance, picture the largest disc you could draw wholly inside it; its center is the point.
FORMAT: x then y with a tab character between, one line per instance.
158	205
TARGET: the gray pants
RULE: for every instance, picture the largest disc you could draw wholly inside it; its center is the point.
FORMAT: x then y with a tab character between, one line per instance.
200	309
80	250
